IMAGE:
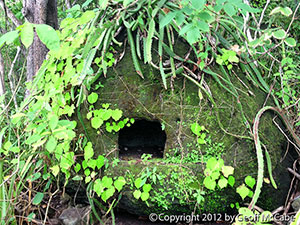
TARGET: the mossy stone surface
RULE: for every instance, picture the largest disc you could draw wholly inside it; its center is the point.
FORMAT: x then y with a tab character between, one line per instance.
177	108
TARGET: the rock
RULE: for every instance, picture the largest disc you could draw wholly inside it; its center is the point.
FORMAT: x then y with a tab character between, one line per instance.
74	216
176	109
296	203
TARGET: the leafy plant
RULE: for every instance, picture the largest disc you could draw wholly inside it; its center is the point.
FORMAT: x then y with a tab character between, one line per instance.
199	131
214	178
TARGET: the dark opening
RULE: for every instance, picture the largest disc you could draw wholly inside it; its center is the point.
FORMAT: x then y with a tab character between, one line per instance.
143	137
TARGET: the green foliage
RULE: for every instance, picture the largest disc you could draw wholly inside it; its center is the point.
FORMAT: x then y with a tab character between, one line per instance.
214	178
139	184
110	117
248	217
73	65
197	129
228	58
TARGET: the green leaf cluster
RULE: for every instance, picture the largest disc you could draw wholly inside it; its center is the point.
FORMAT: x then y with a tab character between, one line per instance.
111	117
217	174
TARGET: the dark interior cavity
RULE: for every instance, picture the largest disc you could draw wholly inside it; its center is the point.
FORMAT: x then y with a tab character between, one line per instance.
143	137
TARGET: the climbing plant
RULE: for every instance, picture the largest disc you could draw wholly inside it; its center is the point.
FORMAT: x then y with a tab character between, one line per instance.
81	51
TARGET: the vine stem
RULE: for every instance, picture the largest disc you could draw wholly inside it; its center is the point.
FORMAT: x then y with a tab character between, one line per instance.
259	153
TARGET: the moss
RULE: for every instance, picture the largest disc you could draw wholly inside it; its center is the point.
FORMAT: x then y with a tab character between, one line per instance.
177	109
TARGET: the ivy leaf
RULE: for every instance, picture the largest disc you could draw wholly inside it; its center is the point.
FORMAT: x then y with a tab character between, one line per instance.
98	187
96	122
119	183
92	98
290	42
227	170
116	114
246	212
209	183
222	183
107	194
77	167
48	36
27	34
100	161
243	191
215	175
38	198
107	182
92	163
250	181
279	34
55	170
88	151
138	182
147	187
137	194
212	164
145	196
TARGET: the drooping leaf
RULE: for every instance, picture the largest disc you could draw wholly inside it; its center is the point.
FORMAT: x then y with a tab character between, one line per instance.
27	34
137	194
9	37
286	11
48	36
149	40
